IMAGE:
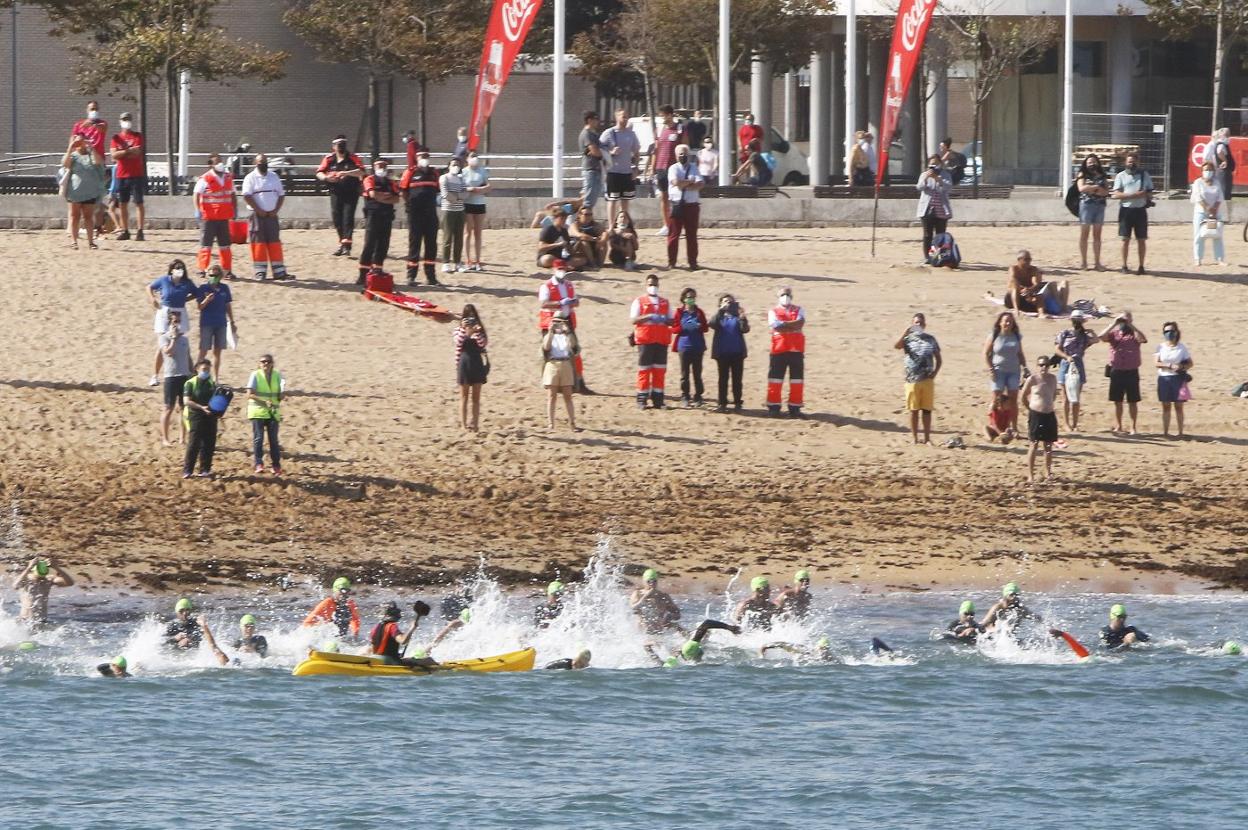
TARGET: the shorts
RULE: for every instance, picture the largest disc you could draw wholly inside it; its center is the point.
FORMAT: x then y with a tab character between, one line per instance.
660	182
215	230
1168	387
621	186
921	395
173	389
82	202
1042	426
1133	220
591	187
1070	380
474	210
135	187
1124	383
1091	213
212	337
1005	381
558	374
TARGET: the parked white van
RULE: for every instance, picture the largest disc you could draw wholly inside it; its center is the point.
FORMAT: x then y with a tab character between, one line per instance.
792	166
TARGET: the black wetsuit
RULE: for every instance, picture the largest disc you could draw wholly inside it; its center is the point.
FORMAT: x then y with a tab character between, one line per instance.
758	614
454	605
255	644
544	613
1113	639
958	628
565	663
188	627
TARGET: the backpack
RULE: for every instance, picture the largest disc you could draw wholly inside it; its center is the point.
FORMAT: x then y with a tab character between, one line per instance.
944	252
1072	200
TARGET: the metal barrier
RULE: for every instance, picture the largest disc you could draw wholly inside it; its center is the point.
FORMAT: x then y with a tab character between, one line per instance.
1114	133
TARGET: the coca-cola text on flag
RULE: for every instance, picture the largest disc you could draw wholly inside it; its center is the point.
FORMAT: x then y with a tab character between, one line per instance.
509	25
909	32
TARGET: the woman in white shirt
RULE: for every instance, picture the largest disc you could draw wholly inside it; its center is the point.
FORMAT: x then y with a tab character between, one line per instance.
1173	360
1207	206
559	347
708	160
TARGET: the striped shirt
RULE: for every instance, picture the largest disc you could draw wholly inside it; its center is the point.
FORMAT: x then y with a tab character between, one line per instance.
459	336
451	186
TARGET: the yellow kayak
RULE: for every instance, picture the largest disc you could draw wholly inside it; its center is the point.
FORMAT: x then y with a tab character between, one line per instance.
327	662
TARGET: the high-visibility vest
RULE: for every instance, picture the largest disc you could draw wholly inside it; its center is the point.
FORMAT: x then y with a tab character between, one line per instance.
787	341
217	200
269	390
651	332
558	291
191	387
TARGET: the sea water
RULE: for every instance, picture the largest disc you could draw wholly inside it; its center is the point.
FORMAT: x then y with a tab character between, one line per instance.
1013	732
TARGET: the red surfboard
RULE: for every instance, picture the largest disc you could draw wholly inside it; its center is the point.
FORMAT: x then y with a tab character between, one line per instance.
408	302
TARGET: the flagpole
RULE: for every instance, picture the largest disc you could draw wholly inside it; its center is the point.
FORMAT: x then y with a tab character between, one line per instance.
851	82
1068	61
727	157
556	161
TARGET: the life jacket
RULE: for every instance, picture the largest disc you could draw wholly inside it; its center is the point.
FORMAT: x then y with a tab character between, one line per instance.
217	200
385	639
787	341
651	332
270	390
558	291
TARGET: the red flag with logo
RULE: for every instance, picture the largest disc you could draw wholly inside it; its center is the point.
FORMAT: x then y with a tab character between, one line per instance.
509	25
909	32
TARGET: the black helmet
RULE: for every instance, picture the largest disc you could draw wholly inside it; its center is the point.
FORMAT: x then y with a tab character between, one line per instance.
392	612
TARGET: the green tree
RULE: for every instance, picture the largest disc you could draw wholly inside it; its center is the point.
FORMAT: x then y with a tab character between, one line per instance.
1226	19
428	40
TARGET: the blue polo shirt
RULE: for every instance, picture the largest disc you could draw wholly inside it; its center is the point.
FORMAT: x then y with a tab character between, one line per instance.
213	314
174	295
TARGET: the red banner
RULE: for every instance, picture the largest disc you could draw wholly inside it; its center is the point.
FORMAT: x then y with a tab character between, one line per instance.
909	32
1200	144
509	25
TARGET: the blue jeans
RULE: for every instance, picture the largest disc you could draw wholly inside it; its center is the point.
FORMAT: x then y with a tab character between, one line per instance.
1198	241
591	187
259	426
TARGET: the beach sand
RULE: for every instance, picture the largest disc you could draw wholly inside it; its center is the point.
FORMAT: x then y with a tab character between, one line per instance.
382	485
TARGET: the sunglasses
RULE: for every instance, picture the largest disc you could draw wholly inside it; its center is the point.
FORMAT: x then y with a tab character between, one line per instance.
1169	331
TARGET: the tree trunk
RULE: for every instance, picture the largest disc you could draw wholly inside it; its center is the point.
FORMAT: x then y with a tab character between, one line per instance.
1219	57
374	115
143	119
648	89
422	113
170	124
979	107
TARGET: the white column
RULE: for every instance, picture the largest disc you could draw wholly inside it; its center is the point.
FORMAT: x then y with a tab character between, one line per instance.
726	131
556	122
851	78
937	106
877	66
790	105
836	112
1068	95
1121	64
760	95
820	136
184	120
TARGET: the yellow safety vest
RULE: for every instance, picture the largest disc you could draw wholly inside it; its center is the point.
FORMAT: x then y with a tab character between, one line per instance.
188	389
270	391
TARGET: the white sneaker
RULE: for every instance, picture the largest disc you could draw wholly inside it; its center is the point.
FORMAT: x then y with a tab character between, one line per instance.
448	268
155	381
661	232
461	267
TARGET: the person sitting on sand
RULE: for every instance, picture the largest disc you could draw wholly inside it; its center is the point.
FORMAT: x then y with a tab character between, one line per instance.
1000	419
589	238
387	637
568	207
35	584
337	608
756	610
545	613
555	242
580	661
692	651
1118	634
114	668
1009	611
794	600
249	642
964	628
1026	290
622	242
656	609
183	633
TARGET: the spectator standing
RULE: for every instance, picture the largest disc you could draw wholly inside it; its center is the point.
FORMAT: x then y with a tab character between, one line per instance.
1207	200
953	162
176	349
922	363
451	189
684	192
460	153
381	194
342	172
264	194
265	389
216	318
859	167
94	130
695	130
591	160
788	354
651	316
83	186
1133	188
1003	352
476	186
661	158
167	294
747	135
1093	187
420	186
216	205
472	364
128	153
622	150
728	349
555	295
560	351
1225	161
934	207
202	421
35	584
708	160
1072	344
873	160
1124	341
689	327
1173	360
1039	395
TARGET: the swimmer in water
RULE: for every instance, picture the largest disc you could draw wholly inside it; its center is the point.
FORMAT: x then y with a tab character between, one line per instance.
339	609
114	668
580	661
1118	634
794	601
657	609
756	610
964	629
1009	610
249	642
465	617
545	613
35	584
387	637
692	651
184	633
821	652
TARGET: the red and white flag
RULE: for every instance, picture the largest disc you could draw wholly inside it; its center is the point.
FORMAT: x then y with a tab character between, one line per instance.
909	32
509	25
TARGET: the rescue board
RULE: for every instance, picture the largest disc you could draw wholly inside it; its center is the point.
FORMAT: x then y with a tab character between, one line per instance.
409	302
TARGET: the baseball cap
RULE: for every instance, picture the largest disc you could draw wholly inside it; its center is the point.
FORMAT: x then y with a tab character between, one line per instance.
559	264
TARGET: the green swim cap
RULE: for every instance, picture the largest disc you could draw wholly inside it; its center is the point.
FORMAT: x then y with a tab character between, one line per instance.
184	604
420	653
651	575
691	650
801	576
1231	647
1010	588
465	616
27	646
41	567
248	619
823	643
967	607
554	588
759	582
331	646
671	663
1118	610
341	582
120	662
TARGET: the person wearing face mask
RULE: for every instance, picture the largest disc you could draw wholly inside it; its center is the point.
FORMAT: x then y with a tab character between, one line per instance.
684	193
1133	188
666	144
922	364
560	351
1224	160
460	153
200	421
1124	341
652	321
451	189
1039	394
934	208
476	186
419	187
472	364
555	295
176	349
82	185
167	294
127	151
788	346
728	349
342	172
748	134
622	242
1072	344
708	160
216	204
591	160
689	328
1207	201
381	194
93	129
1093	187
264	194
216	318
1173	361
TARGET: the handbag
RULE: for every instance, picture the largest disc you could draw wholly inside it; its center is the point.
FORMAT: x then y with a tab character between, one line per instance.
1185	394
1211	229
62	186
